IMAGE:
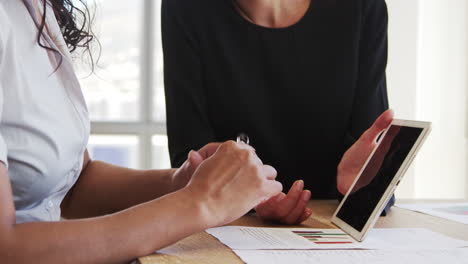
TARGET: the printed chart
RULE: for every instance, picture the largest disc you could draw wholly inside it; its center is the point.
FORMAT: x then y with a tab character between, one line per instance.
324	238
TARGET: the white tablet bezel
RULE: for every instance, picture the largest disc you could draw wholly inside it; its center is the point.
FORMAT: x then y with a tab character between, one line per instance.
361	235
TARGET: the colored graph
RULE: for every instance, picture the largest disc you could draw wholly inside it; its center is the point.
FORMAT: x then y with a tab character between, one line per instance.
323	237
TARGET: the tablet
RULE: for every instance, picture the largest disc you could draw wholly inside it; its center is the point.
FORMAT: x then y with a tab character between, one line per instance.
379	177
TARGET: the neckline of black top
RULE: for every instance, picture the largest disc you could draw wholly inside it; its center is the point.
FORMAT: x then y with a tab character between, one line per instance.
232	7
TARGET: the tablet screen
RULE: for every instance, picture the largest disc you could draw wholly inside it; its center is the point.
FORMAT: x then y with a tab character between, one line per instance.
378	175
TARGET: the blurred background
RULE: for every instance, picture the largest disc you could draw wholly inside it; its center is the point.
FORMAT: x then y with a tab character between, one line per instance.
125	94
427	80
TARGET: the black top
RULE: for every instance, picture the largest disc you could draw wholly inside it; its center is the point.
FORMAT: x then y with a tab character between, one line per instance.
303	93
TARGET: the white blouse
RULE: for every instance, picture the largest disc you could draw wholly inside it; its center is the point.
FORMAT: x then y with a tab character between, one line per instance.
44	123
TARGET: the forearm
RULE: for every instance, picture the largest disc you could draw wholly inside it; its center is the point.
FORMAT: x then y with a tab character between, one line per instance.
116	238
104	188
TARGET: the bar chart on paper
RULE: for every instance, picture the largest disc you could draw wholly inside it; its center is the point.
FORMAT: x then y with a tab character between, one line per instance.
257	238
323	237
242	238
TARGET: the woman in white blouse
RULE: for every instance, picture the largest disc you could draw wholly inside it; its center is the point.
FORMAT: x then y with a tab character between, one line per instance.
46	173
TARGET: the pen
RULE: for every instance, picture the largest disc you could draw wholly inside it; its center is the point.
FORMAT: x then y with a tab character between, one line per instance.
242	137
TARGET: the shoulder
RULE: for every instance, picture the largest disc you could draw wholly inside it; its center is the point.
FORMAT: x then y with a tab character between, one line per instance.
185	8
354	9
193	11
5	26
368	12
5	23
374	3
374	7
193	18
364	5
7	10
179	5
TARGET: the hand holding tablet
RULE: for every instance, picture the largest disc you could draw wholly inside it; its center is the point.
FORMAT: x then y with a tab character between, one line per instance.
378	178
356	156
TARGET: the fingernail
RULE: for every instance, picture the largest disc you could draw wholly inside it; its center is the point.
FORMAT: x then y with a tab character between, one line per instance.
189	163
306	196
300	184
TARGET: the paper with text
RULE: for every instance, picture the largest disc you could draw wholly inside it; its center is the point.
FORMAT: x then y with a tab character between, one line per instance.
452	256
251	238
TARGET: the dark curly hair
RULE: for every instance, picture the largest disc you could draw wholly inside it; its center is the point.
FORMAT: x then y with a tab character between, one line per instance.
75	24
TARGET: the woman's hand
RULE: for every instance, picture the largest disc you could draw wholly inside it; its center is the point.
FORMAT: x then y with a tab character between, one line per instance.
231	182
288	209
182	175
353	160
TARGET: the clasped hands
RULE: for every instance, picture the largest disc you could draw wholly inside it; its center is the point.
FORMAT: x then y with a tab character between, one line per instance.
291	208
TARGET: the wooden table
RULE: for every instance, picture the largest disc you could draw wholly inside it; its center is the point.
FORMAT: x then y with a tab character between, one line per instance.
203	248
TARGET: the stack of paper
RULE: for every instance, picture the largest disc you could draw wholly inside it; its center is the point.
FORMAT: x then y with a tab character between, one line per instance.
295	245
457	212
449	256
238	237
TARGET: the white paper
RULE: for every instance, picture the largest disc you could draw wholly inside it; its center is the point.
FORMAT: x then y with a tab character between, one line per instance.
410	239
251	238
449	256
457	212
237	237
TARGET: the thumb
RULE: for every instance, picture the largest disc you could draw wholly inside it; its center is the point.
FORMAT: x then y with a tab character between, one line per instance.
379	125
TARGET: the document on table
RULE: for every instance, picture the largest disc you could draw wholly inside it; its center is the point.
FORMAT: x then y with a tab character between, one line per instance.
452	211
252	238
452	256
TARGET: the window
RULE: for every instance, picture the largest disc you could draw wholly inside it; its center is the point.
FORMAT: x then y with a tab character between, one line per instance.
125	95
428	45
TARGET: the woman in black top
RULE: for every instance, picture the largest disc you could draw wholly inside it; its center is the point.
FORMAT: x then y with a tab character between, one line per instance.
303	78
